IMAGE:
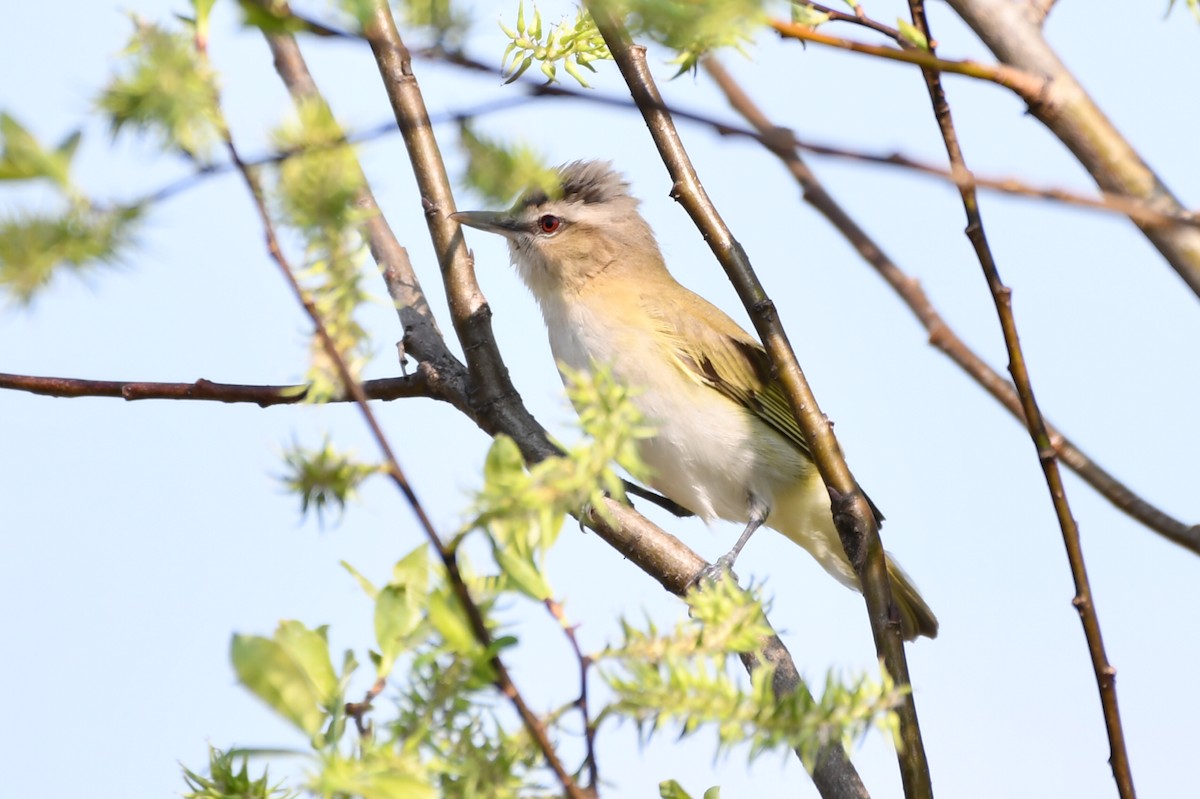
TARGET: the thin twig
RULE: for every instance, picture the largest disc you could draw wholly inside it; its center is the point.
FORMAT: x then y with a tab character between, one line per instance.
654	551
585	663
856	523
941	335
1144	213
449	558
1026	85
422	339
1002	295
1069	112
447	555
490	385
860	19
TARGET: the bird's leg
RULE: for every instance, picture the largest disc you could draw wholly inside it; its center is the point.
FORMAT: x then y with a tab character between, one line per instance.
759	511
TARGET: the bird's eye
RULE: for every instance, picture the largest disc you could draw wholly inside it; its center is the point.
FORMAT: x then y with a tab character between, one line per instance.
549	223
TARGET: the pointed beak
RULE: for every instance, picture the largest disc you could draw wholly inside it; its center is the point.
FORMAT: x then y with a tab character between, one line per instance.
489	221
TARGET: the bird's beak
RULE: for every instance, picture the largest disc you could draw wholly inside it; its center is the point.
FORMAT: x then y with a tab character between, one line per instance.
489	221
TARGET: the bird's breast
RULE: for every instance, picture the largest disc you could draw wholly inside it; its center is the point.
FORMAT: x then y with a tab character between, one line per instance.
707	451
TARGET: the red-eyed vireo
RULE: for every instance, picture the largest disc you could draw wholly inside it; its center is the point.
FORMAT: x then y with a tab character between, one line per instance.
726	445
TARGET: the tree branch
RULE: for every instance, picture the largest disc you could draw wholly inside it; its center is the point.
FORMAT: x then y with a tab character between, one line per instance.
422	338
856	523
1026	85
1066	109
941	335
424	382
1002	295
495	404
491	391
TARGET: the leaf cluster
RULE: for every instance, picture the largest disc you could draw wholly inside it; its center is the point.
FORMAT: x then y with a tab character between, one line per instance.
318	184
167	88
572	44
523	509
683	678
323	477
227	781
694	28
498	171
34	245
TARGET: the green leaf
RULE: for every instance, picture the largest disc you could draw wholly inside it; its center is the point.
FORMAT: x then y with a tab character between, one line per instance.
226	781
24	158
268	18
912	34
310	650
579	41
378	773
267	669
500	171
166	88
503	459
713	793
34	248
367	585
397	616
324	477
805	14
412	571
448	618
670	789
522	572
203	10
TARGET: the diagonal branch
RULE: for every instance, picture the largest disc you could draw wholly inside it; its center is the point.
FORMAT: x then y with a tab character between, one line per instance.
497	407
422	338
1002	295
1026	85
941	335
491	390
1015	37
856	524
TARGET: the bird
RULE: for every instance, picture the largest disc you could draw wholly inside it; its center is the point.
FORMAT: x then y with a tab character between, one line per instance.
726	445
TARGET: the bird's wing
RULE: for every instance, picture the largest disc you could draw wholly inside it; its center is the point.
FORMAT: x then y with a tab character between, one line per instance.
712	349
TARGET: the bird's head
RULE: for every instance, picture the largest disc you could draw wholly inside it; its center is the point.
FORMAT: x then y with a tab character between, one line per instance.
584	224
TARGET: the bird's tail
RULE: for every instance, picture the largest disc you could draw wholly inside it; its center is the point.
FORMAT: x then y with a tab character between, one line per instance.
915	616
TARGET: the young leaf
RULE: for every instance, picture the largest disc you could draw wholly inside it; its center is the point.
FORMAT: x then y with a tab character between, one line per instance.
265	668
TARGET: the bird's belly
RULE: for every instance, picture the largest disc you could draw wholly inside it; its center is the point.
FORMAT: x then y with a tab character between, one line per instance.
708	454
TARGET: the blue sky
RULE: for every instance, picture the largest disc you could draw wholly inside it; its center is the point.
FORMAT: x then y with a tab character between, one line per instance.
138	537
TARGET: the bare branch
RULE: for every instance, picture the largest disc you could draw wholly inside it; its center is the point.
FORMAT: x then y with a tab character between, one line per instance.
1027	85
422	338
676	567
860	19
1071	115
425	382
1002	294
585	663
856	523
1038	10
447	555
941	335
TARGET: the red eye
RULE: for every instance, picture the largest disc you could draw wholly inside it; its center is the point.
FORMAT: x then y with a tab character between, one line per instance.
549	223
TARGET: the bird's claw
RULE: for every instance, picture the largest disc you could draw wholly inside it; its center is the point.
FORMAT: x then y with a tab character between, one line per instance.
715	571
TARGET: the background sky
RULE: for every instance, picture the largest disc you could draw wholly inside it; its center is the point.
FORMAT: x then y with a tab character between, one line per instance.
138	537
